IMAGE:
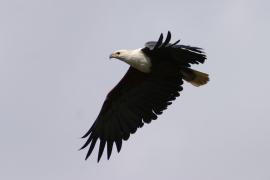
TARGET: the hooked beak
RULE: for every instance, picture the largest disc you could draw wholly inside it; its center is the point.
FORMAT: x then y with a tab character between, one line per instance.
112	55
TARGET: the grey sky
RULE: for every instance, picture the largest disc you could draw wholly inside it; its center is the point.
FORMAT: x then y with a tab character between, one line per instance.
55	74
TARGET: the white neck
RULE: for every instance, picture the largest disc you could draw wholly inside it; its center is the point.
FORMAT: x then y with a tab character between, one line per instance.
137	59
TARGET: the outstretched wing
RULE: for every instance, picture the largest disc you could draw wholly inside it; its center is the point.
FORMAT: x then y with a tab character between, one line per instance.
182	54
137	99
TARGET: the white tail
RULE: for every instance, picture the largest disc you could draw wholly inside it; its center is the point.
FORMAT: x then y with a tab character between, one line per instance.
194	77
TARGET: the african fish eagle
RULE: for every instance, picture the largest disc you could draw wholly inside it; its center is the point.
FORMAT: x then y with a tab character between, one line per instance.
153	80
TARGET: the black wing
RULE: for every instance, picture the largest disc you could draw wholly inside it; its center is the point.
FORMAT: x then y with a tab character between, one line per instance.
183	55
137	99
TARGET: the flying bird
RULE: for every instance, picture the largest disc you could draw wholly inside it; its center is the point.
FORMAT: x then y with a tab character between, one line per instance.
153	80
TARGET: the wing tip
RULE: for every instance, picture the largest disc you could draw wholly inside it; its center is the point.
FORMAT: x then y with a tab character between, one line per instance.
167	40
159	42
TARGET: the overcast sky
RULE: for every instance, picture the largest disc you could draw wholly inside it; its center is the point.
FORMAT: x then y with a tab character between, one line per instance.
55	74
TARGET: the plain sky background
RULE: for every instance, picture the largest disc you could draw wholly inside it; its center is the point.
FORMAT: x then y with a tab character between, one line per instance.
55	73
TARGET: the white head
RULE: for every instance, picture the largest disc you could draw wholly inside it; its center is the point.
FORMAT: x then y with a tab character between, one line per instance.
123	55
135	58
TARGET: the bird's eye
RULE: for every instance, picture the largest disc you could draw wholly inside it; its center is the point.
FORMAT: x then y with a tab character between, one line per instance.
118	53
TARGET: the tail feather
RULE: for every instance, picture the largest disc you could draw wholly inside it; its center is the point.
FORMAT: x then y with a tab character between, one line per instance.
194	77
